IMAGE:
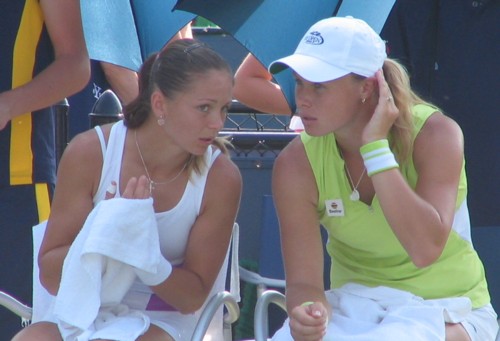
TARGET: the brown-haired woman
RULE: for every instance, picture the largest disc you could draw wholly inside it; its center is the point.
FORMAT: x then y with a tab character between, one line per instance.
165	153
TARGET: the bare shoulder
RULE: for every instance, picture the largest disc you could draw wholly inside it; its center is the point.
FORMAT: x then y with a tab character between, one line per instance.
83	158
293	177
223	191
438	125
224	173
86	145
292	161
441	132
440	141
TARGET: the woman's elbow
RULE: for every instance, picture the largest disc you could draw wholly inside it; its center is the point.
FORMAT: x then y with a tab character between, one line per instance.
239	90
191	305
49	279
426	257
195	300
48	283
79	75
83	72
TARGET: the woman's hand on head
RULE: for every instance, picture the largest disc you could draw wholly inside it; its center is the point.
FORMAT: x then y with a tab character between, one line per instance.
308	322
385	113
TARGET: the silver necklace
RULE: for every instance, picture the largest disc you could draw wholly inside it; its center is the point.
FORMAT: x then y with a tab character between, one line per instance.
152	183
355	193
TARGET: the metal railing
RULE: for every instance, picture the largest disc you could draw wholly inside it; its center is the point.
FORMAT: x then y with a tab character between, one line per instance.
252	133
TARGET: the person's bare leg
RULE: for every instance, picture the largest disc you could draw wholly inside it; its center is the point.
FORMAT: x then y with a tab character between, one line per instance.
42	331
155	333
456	332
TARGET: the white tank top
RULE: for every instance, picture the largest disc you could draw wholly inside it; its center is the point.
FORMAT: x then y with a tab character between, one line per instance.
175	224
174	227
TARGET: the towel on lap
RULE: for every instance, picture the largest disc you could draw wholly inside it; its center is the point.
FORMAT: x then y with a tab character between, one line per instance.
362	313
382	313
118	242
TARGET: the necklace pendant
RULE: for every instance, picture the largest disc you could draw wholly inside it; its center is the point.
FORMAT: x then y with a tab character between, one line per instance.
354	195
151	186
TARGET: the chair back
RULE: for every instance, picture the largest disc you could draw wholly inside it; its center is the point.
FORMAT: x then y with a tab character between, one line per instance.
212	322
270	258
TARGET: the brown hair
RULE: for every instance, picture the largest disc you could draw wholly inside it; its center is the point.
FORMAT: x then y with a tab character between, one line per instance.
172	70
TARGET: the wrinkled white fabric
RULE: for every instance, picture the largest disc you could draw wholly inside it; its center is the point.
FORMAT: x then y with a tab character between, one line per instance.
362	313
118	241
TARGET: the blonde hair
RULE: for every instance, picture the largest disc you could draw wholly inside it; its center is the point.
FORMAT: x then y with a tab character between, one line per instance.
401	134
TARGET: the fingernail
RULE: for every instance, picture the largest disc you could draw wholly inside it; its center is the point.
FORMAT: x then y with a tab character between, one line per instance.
112	188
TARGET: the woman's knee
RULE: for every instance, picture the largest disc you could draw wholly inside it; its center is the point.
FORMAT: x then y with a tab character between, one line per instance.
456	332
41	331
155	333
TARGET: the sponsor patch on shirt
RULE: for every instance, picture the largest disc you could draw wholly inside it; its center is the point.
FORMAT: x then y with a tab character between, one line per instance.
334	208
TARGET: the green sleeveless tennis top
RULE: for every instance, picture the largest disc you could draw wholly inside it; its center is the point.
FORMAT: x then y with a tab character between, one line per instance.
364	249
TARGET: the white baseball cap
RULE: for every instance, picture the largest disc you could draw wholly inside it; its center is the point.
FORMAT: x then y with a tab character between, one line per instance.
335	47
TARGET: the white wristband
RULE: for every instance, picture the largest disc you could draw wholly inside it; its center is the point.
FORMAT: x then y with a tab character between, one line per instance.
378	157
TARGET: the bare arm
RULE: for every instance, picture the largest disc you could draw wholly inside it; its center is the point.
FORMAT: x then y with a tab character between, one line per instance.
187	287
124	82
68	73
77	182
254	87
184	33
422	218
301	241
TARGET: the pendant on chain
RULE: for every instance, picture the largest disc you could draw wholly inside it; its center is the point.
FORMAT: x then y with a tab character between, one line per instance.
354	195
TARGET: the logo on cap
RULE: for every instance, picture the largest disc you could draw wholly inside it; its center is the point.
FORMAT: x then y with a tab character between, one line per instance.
314	38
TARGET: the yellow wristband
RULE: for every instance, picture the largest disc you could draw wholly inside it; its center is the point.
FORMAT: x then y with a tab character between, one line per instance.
306	303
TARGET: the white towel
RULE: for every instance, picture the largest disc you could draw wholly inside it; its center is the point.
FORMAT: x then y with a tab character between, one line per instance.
118	242
362	313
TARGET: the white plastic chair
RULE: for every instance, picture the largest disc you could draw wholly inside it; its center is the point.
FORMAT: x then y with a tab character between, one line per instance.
209	321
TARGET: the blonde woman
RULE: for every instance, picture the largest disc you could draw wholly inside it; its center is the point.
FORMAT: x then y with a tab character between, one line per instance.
383	172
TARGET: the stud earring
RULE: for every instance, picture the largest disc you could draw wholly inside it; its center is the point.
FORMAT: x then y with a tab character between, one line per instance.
363	100
161	121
